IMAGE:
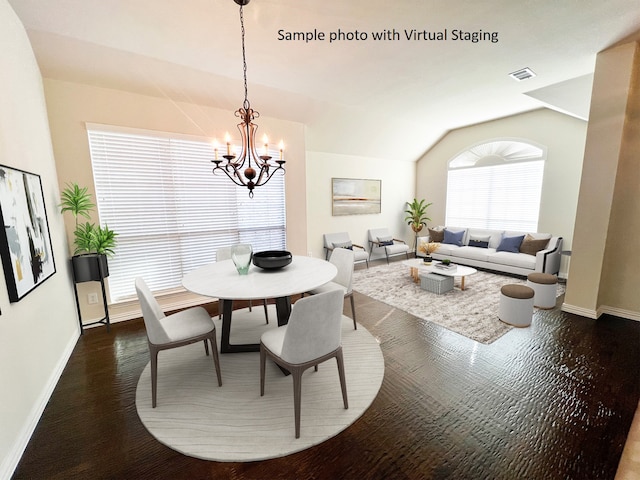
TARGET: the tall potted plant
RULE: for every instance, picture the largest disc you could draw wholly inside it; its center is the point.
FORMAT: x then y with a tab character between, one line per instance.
416	217
93	243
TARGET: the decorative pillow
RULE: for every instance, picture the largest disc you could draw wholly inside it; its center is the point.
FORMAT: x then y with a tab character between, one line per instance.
436	235
384	241
477	241
531	245
453	238
348	245
510	244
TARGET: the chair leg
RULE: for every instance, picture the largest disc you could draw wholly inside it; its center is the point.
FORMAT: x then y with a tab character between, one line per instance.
216	358
250	305
220	308
297	397
386	254
206	348
153	352
343	381
266	313
353	312
263	362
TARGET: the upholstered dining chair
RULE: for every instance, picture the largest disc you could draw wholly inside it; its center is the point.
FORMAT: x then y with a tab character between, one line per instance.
342	258
382	238
342	240
176	330
224	253
312	336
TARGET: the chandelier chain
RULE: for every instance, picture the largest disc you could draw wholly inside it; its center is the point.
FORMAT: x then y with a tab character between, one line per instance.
244	62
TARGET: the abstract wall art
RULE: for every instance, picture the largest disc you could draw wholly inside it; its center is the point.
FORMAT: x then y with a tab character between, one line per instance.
25	242
355	196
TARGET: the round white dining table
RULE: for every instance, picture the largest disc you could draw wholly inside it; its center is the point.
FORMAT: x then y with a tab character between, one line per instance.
221	280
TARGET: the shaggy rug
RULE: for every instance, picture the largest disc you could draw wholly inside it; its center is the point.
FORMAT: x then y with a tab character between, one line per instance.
233	423
472	312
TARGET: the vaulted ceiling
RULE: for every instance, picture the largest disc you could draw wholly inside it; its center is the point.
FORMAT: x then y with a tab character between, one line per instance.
391	98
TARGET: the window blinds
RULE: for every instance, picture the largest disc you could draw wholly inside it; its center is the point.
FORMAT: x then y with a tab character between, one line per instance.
503	197
170	211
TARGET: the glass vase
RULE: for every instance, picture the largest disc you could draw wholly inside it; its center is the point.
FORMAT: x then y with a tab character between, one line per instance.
241	255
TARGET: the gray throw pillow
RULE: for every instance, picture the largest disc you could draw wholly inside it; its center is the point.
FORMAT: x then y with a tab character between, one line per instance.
347	245
386	240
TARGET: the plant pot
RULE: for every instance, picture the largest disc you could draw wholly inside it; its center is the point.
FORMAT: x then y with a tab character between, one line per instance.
89	267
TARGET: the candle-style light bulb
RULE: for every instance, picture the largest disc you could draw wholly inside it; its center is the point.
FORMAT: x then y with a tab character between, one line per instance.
227	138
265	140
281	147
215	148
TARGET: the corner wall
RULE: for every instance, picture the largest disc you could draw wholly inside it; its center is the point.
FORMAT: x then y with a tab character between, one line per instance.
38	333
564	137
605	265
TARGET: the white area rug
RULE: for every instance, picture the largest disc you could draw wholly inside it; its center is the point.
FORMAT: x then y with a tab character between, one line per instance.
233	423
472	312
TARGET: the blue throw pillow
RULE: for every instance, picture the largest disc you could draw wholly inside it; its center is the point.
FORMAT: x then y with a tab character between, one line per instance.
510	244
454	238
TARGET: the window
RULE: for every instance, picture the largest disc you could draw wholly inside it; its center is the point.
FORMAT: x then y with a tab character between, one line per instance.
496	185
171	213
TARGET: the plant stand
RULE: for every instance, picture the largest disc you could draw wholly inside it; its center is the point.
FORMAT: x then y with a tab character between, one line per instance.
97	265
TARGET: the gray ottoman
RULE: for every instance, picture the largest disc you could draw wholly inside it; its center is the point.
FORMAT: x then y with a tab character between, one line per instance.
434	283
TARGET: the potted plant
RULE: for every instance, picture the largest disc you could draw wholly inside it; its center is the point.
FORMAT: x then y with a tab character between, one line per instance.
93	243
416	216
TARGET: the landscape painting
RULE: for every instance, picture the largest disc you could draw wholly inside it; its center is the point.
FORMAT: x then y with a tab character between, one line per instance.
25	243
354	196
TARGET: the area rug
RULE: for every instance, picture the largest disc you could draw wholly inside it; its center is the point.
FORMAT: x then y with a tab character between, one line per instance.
472	312
233	423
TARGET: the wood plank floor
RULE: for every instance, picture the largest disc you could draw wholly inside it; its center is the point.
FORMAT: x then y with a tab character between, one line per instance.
552	401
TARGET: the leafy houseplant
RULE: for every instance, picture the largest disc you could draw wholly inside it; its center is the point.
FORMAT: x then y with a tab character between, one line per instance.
93	243
417	214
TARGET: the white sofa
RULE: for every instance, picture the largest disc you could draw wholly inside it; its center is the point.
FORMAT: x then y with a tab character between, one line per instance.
546	260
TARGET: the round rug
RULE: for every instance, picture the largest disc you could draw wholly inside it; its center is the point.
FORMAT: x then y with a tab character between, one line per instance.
233	423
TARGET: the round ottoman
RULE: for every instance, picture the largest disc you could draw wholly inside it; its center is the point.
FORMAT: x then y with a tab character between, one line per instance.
516	305
544	286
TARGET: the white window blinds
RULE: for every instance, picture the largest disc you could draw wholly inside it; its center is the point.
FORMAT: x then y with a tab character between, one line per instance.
504	196
170	211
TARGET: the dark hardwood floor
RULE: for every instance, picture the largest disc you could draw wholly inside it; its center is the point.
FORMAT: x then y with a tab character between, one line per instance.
552	401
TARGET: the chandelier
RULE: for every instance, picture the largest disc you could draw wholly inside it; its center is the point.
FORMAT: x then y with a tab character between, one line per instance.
249	169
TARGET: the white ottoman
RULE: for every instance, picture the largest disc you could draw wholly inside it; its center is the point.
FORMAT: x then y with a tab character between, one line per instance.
544	286
516	305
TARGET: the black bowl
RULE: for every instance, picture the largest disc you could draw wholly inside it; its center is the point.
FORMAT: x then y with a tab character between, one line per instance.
272	259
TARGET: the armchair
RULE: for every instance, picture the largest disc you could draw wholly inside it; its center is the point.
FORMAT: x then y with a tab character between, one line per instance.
342	240
381	238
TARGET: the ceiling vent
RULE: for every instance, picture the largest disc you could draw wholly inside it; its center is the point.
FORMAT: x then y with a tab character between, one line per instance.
522	74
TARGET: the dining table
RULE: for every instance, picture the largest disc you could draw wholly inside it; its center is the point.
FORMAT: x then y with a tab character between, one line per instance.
221	280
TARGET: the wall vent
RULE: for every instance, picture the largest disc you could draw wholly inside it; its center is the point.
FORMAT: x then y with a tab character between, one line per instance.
522	74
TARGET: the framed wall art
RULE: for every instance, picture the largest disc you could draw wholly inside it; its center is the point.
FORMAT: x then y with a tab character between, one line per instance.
355	196
25	242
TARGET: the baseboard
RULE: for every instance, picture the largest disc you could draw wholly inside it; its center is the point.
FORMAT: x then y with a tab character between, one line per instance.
583	312
15	453
603	309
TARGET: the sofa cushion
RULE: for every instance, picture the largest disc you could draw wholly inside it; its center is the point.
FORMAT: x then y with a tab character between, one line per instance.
474	253
447	249
513	259
531	245
452	237
494	235
510	244
436	235
481	241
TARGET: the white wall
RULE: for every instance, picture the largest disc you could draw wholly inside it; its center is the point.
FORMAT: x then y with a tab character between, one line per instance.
38	333
397	178
563	135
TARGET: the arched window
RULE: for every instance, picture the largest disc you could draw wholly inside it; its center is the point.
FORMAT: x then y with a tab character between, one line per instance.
496	185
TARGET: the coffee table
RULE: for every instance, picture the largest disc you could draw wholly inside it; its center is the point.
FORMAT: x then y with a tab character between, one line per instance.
461	271
415	264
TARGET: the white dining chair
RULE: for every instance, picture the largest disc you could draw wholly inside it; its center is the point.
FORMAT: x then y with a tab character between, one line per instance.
342	258
312	336
179	329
